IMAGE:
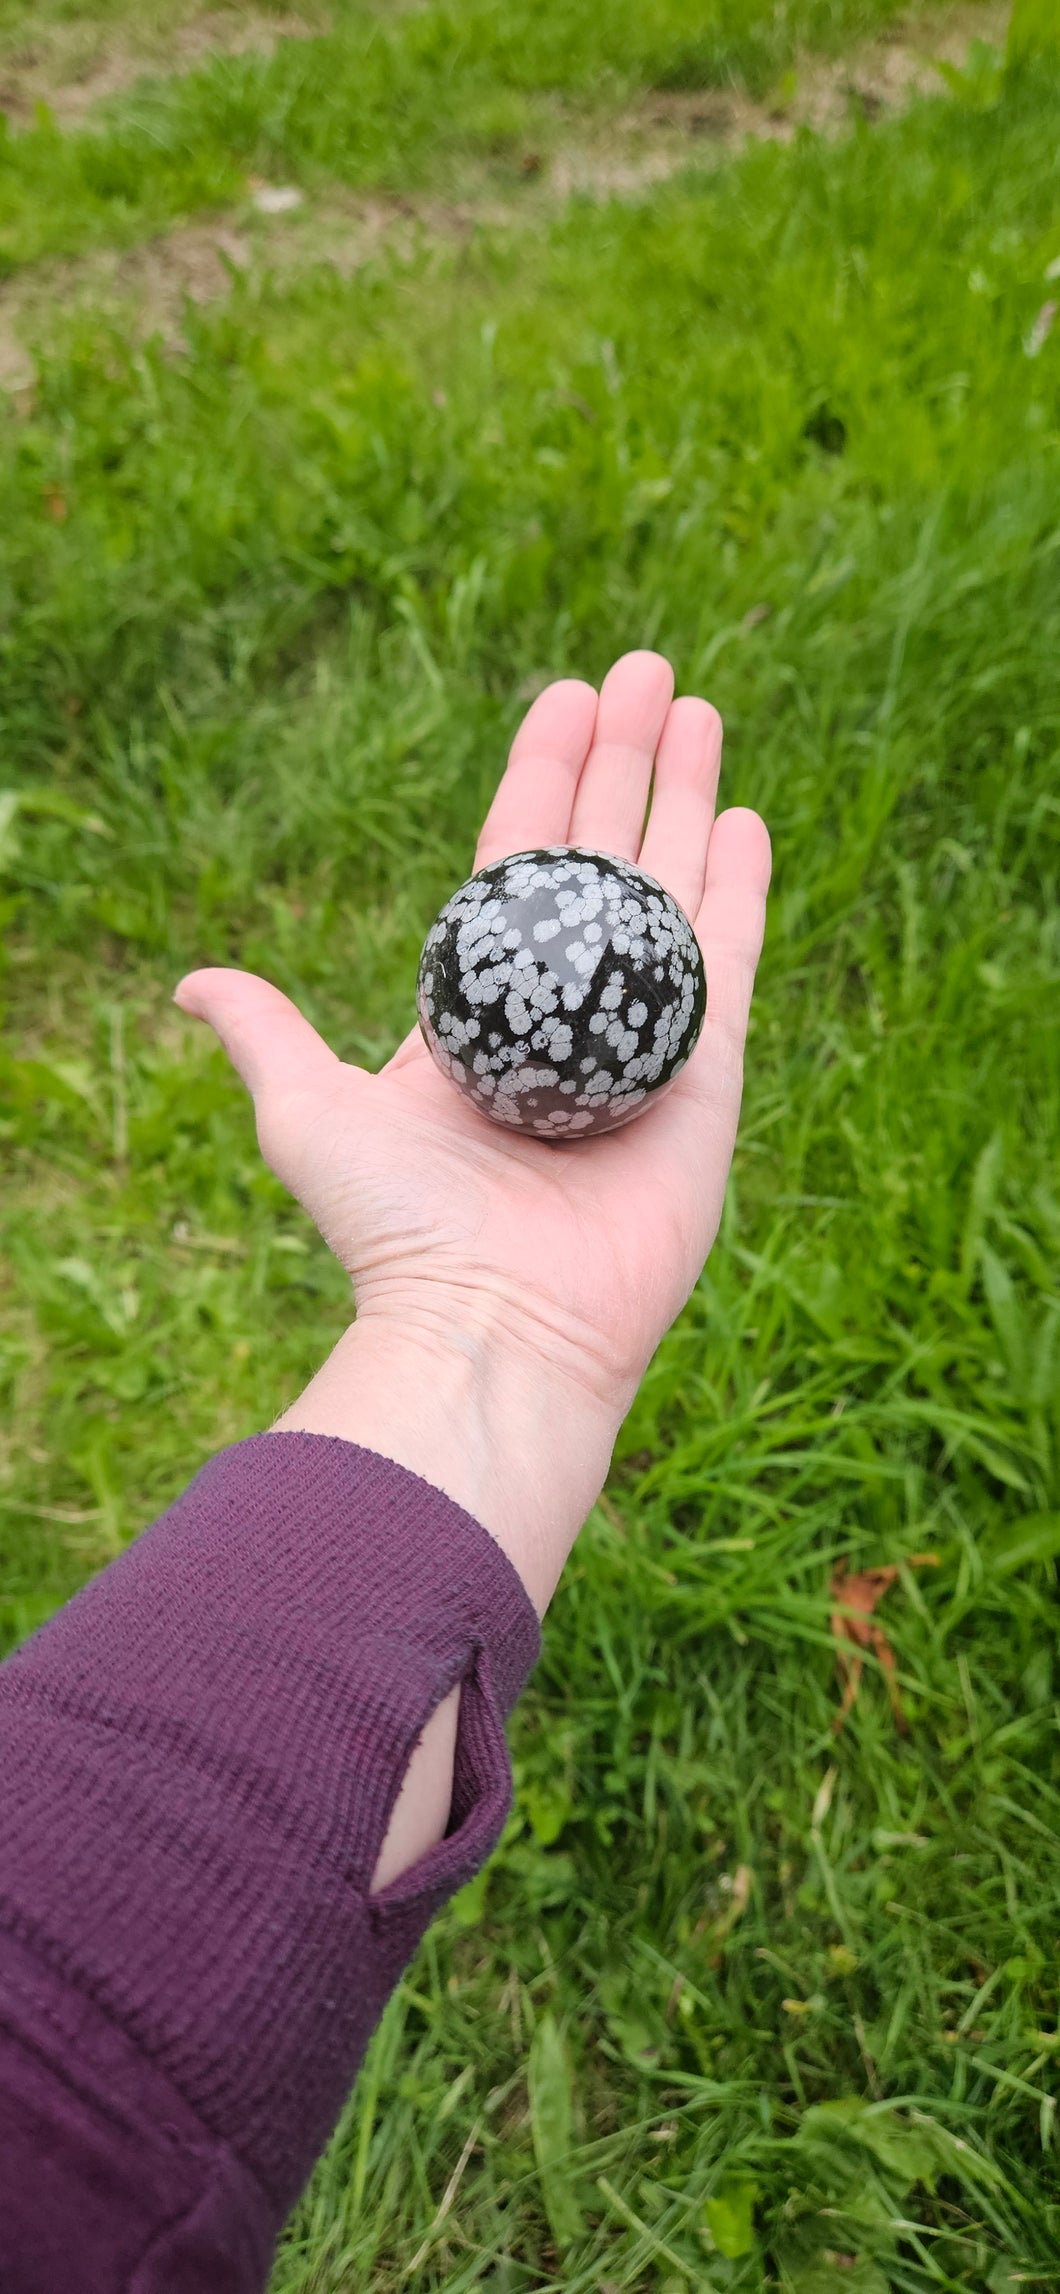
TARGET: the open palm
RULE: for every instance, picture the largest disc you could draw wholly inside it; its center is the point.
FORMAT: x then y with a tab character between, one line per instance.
581	1253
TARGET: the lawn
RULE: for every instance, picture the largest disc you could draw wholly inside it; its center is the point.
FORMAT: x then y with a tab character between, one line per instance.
740	2002
383	98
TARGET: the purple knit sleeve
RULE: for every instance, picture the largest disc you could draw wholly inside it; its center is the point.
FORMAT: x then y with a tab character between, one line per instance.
199	1757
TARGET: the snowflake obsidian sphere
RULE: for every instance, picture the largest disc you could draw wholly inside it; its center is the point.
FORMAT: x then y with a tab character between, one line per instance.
562	991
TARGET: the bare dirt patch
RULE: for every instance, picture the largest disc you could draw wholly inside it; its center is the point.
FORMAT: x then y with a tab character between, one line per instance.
153	282
149	286
71	68
672	130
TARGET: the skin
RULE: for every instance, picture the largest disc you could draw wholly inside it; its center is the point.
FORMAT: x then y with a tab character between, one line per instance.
509	1297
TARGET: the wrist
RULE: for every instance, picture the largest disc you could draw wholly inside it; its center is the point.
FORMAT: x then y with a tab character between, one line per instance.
524	1447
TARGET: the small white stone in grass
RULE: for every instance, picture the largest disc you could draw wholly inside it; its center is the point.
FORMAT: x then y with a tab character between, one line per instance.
277	198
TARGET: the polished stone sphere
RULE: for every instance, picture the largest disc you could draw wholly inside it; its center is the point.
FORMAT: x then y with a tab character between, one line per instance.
561	991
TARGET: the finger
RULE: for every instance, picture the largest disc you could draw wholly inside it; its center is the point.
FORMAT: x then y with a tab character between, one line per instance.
268	1042
729	927
695	1127
687	764
534	799
612	796
411	1047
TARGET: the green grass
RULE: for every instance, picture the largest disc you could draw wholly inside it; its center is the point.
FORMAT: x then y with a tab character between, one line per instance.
92	26
736	1998
385	103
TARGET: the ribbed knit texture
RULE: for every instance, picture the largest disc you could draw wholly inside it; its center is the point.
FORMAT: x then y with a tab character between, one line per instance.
199	1756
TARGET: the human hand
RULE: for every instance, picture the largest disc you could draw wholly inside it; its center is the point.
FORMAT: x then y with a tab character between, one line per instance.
508	1298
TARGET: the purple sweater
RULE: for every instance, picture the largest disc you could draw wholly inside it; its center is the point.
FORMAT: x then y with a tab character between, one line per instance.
199	1758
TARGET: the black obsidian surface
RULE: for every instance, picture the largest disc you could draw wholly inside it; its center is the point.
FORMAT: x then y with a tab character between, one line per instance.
562	991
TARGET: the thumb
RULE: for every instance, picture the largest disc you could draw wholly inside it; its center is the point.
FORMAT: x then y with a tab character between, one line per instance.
267	1040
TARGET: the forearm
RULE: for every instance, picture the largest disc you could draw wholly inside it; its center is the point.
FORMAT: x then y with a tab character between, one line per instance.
521	1449
201	1759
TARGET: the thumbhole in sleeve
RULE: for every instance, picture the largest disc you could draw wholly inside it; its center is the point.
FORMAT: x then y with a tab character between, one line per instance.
482	1792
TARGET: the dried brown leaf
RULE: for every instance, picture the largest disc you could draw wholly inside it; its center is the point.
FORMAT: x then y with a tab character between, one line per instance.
855	1596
